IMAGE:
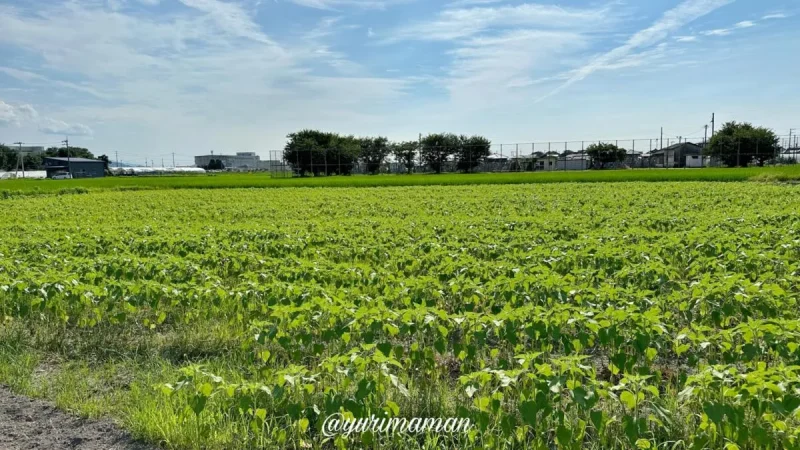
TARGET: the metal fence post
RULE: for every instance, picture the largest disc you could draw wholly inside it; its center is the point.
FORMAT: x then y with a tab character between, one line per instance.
738	154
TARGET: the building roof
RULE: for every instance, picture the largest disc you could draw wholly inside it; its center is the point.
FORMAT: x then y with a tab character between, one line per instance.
82	160
237	155
495	156
683	146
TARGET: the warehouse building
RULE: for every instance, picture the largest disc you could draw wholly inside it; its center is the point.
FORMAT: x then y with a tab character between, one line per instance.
77	167
241	160
680	155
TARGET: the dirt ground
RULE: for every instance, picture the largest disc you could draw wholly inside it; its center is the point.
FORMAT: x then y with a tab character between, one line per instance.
27	424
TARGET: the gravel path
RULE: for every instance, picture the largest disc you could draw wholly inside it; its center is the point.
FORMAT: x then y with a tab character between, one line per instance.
28	424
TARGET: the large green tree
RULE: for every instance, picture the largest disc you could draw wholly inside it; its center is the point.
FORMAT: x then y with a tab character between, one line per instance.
9	161
106	161
8	158
605	153
739	144
319	152
437	148
405	153
472	151
374	152
72	152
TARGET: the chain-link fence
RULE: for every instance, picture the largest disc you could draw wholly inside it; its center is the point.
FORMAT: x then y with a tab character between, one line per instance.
655	153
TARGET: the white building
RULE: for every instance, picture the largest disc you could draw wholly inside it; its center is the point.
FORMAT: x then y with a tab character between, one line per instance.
241	160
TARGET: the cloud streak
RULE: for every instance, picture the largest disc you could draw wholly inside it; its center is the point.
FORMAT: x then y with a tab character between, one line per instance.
27	76
230	17
671	21
451	24
59	127
335	4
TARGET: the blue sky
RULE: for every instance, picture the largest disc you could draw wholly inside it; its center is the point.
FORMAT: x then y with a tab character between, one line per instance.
147	78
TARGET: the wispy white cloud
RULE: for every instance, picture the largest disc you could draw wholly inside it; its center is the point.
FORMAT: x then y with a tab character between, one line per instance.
718	32
462	3
316	44
775	16
334	4
452	24
27	76
500	50
15	115
230	17
19	115
52	126
489	66
671	21
726	31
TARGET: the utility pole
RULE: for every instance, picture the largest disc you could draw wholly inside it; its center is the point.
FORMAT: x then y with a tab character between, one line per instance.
789	147
713	123
738	154
116	153
162	163
20	159
705	136
173	160
69	165
419	150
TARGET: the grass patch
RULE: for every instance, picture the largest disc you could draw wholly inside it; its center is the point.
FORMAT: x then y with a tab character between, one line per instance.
123	387
16	188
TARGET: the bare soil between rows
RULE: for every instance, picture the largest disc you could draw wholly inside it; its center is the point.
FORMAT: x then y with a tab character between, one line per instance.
30	424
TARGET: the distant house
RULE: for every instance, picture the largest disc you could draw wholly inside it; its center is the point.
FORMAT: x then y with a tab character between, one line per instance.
633	158
547	163
574	161
681	155
535	162
77	167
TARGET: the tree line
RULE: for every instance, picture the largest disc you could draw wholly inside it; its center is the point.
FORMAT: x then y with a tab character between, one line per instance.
324	153
9	157
735	145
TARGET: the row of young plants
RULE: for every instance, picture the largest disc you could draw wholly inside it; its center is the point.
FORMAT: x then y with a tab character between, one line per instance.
569	316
